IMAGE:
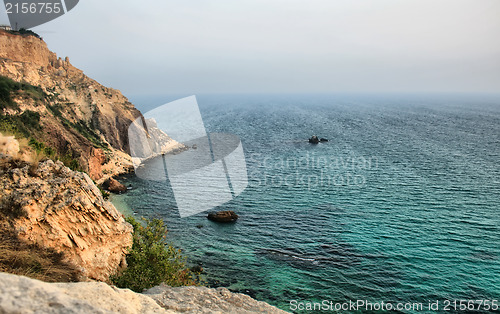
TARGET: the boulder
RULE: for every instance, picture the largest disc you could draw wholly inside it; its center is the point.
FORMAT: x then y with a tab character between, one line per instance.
314	140
323	139
114	186
223	216
9	146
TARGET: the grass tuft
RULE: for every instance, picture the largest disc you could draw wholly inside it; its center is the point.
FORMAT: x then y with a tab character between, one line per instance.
21	258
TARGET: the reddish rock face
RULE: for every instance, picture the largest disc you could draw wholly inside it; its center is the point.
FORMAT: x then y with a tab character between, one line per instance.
96	160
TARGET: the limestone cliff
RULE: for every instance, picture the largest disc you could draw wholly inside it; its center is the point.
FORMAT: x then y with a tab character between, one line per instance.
78	116
55	207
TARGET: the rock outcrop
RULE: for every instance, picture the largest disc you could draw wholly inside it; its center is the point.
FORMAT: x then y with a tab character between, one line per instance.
114	186
64	210
22	294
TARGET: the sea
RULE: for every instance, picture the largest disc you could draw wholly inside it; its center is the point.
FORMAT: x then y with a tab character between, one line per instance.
400	206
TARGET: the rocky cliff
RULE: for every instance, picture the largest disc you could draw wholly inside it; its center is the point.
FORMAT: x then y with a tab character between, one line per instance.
54	207
33	296
78	116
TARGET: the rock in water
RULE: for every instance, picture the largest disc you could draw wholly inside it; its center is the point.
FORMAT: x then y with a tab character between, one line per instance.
114	186
223	216
314	140
323	139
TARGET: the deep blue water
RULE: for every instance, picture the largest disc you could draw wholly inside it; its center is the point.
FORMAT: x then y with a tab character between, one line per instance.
400	205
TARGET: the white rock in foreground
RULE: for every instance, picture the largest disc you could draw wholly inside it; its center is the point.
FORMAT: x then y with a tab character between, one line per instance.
207	300
24	295
20	294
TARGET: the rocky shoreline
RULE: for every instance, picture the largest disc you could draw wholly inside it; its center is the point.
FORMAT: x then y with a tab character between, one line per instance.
56	112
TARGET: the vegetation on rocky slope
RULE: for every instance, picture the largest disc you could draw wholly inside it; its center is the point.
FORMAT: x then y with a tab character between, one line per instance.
9	87
151	261
27	124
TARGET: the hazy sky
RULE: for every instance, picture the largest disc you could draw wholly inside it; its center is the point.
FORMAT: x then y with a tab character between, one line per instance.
197	46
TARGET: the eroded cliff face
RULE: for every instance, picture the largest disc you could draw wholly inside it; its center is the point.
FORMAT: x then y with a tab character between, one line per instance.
78	115
55	207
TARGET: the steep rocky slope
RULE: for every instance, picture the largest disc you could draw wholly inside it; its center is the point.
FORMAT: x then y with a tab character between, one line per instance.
31	295
49	205
78	116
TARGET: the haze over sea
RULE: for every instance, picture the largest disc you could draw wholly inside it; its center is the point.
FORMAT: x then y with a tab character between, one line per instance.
400	205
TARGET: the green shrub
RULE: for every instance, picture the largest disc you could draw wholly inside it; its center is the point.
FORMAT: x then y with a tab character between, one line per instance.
24	31
68	159
56	110
7	86
22	125
105	194
151	261
30	119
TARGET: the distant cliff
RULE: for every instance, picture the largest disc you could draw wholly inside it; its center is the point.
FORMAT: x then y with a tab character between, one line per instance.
78	116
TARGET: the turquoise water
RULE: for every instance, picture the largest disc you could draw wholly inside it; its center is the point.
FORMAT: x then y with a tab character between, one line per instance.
401	205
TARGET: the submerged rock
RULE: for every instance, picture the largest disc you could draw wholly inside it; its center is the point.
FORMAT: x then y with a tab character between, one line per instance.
314	139
223	216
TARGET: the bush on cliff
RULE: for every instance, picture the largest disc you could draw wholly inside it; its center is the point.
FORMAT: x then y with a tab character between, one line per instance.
9	87
151	261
